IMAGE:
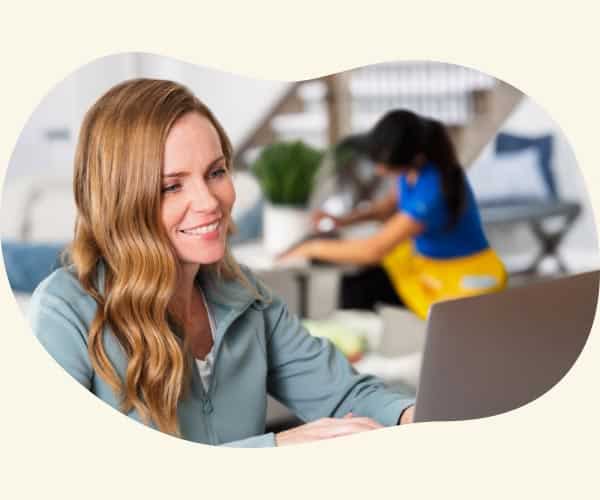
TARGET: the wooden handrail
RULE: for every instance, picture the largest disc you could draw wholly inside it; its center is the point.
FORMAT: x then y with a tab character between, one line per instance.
275	109
501	101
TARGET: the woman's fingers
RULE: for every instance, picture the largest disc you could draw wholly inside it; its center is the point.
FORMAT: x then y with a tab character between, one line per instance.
327	428
342	427
408	415
358	424
323	222
316	217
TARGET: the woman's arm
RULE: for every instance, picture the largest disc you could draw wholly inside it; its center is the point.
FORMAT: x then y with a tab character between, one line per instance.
315	380
364	251
378	210
62	331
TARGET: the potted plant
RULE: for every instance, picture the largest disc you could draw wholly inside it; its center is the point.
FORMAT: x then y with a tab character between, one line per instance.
286	172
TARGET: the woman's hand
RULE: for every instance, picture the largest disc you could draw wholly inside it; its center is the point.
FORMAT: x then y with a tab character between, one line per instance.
326	428
323	222
304	250
407	415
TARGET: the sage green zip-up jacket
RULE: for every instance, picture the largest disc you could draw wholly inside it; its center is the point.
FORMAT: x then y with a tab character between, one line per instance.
259	347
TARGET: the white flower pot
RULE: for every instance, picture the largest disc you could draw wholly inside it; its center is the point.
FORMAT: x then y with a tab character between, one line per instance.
284	226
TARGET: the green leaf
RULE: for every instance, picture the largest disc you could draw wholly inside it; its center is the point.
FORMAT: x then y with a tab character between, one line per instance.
286	172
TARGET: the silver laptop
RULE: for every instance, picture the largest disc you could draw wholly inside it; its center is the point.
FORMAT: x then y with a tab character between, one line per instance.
489	354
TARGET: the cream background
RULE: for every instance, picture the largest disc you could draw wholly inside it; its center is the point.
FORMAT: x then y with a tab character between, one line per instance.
57	442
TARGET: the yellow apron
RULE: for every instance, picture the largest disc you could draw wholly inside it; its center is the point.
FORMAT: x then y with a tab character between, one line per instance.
420	281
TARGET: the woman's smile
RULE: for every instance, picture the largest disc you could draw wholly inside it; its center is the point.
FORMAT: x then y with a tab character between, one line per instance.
207	231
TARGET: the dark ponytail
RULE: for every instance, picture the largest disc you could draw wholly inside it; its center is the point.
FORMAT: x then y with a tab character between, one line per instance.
401	135
440	151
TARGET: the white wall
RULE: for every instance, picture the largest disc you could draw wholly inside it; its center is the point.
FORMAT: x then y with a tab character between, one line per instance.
62	110
238	102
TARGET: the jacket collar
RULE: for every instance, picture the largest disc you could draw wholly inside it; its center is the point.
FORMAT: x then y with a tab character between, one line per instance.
228	294
229	299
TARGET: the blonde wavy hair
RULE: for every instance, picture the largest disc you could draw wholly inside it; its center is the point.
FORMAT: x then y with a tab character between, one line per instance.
117	187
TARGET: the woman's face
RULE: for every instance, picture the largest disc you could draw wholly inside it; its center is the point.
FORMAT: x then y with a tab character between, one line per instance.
197	192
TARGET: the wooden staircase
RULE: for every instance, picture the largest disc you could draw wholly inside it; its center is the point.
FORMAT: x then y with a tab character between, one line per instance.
471	104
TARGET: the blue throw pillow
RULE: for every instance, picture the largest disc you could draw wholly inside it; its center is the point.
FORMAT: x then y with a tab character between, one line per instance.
249	224
27	264
509	143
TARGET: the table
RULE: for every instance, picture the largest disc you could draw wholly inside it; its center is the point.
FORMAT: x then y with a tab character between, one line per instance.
254	255
534	213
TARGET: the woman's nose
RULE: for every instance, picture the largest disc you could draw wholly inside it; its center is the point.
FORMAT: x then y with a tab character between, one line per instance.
202	199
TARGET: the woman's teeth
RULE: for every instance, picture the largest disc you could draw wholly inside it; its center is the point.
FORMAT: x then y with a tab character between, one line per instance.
202	229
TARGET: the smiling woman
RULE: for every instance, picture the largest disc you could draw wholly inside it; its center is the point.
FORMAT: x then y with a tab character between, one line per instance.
152	314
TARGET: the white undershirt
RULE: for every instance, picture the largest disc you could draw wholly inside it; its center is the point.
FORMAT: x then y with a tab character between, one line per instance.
205	365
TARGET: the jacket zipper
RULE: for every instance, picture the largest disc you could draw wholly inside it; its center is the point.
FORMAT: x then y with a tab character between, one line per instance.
207	405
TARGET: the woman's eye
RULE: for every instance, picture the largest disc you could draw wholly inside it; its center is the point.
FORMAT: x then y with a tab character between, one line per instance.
170	188
217	172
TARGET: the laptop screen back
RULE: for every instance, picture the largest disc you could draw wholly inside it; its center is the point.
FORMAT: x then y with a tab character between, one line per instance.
489	354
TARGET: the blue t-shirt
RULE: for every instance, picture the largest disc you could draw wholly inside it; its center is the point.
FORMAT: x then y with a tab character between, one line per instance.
425	203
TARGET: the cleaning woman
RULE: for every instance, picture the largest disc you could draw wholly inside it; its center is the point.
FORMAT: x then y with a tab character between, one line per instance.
431	245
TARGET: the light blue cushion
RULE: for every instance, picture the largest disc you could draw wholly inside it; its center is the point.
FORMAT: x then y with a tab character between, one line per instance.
249	224
27	264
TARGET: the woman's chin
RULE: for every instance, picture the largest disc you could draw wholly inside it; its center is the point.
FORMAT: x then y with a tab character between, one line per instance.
200	250
204	258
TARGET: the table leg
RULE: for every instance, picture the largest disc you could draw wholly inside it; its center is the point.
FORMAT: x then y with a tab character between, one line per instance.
302	281
550	242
